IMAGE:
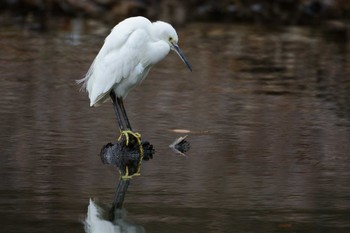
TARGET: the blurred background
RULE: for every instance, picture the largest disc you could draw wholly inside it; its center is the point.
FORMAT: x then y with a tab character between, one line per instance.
37	13
266	110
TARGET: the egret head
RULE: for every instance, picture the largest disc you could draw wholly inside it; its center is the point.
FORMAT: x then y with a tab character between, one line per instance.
167	33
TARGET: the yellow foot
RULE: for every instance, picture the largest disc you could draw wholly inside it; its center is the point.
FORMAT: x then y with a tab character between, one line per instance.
127	176
126	133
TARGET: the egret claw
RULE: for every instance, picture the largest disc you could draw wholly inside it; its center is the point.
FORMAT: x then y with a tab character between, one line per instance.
127	176
126	134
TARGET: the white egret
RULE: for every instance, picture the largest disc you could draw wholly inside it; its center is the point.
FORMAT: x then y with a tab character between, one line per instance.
127	55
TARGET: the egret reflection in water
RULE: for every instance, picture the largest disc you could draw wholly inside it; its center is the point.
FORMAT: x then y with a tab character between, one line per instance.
97	221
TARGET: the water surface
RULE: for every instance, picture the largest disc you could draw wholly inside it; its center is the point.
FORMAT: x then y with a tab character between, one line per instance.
267	110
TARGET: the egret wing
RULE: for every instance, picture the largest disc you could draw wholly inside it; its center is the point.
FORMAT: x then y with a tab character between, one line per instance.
118	64
121	33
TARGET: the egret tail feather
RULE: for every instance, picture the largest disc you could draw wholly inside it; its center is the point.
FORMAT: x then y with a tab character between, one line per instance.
83	83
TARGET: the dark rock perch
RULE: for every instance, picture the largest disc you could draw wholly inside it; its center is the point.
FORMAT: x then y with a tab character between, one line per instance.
122	155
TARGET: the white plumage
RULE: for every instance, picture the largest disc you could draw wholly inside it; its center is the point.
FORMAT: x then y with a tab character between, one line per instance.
127	55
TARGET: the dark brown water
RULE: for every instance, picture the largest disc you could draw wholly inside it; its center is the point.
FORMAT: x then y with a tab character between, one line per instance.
269	119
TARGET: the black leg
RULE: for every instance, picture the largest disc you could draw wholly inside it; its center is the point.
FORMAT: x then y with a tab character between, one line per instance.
116	109
126	120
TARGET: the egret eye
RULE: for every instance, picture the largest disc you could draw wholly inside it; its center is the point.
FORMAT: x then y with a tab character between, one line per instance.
170	39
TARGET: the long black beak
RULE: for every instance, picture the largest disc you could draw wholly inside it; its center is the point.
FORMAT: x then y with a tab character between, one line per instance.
176	48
